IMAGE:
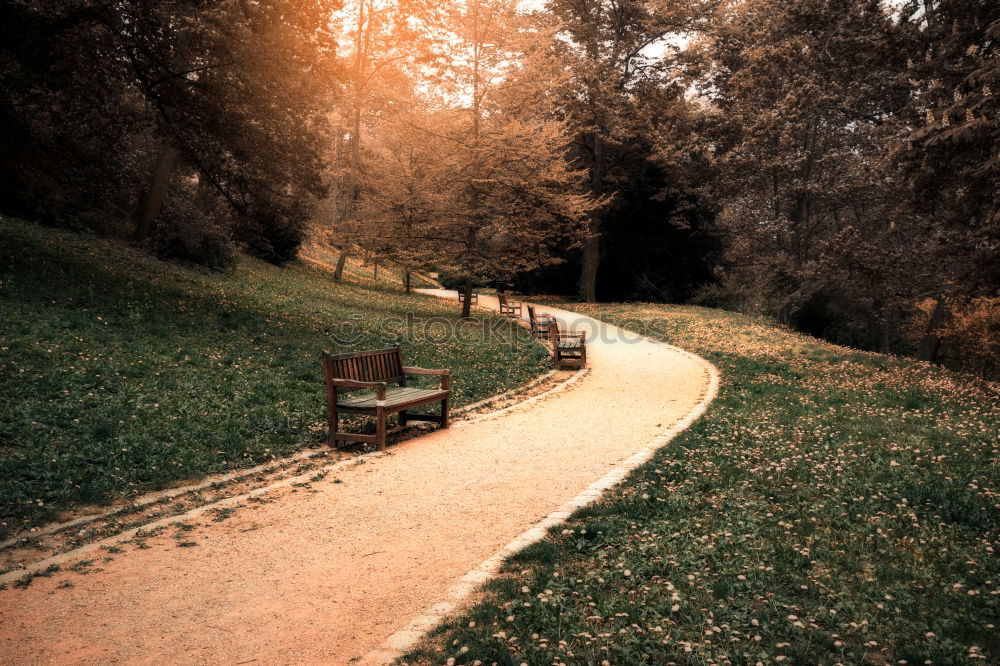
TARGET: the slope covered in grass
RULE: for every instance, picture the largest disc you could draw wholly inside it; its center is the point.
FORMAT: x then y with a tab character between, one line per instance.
831	507
314	252
121	373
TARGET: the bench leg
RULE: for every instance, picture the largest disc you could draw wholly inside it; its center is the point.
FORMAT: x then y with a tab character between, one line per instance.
444	413
402	418
332	424
583	356
380	427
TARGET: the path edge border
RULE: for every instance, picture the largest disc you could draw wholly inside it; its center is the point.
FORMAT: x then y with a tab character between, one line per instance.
159	496
409	635
57	559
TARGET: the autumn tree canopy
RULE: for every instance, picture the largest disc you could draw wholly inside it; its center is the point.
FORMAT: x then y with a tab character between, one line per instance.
480	179
832	164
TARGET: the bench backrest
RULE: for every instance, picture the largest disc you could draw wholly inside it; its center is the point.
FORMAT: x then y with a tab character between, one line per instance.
502	297
378	365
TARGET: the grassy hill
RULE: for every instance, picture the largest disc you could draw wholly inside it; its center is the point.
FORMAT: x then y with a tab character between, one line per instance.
121	373
831	507
317	254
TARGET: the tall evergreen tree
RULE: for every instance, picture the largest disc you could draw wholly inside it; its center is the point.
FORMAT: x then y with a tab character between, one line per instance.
611	49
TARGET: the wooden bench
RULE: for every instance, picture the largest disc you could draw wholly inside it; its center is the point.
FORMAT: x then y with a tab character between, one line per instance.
373	371
540	324
567	346
508	308
474	297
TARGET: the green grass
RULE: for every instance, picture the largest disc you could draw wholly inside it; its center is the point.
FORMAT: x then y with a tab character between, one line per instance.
316	253
121	373
831	507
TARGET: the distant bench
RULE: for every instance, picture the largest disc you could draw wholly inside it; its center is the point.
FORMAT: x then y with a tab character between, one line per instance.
567	346
374	371
508	308
540	324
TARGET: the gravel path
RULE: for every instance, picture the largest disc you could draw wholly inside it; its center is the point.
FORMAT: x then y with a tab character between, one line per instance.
322	574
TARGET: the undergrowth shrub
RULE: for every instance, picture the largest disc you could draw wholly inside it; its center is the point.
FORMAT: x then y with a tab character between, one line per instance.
195	240
971	337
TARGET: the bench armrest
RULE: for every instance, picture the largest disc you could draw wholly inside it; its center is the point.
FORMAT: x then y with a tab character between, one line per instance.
424	371
445	374
379	387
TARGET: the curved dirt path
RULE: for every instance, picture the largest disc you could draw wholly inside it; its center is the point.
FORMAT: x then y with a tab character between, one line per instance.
324	574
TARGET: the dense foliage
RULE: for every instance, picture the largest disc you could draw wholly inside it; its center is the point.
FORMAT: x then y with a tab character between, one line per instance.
223	104
833	164
855	168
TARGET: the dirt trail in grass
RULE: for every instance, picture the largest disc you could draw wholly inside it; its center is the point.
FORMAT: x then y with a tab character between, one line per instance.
322	574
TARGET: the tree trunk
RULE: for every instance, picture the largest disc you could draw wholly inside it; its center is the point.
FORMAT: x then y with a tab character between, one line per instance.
929	13
353	191
930	344
375	272
361	43
592	244
873	332
878	334
879	326
406	281
784	314
591	260
467	301
884	340
156	193
339	270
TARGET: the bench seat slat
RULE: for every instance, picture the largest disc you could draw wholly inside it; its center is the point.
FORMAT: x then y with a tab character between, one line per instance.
394	397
